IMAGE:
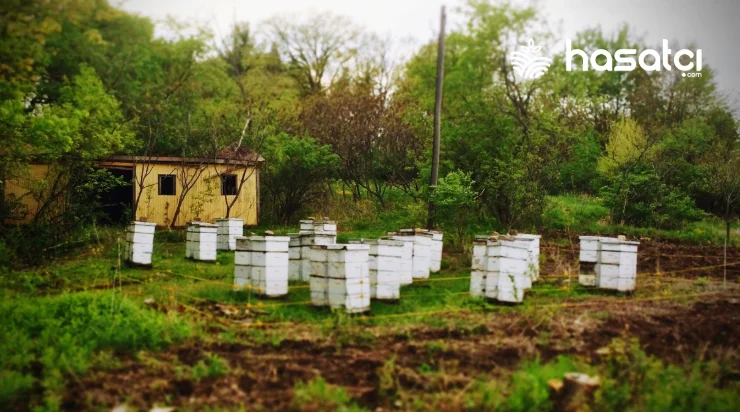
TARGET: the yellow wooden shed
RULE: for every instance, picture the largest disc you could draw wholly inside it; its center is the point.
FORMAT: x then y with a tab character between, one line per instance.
202	188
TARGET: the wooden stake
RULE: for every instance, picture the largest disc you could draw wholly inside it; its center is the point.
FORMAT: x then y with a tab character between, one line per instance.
437	116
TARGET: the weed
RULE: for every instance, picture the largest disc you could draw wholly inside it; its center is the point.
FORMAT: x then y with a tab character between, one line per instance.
701	281
436	347
636	381
213	366
388	386
318	395
426	369
529	391
485	396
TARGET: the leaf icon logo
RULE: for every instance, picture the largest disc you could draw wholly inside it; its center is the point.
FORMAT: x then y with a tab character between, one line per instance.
528	63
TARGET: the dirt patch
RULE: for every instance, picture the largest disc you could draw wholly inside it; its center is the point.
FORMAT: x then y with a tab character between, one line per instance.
687	260
262	377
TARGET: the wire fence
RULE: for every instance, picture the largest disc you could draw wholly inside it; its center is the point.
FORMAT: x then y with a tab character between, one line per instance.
254	303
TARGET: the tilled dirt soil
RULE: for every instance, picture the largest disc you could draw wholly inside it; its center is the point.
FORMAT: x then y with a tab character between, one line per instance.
666	257
262	377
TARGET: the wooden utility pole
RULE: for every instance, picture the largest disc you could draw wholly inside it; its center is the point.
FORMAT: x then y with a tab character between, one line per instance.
437	116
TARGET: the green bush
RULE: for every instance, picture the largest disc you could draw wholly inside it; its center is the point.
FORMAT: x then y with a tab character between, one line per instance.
578	173
456	203
44	341
573	212
529	391
637	381
642	199
631	380
297	175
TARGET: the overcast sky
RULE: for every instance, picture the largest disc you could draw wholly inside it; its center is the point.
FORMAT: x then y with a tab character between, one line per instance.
710	25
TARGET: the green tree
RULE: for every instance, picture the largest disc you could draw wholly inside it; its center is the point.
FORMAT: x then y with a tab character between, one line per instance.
297	173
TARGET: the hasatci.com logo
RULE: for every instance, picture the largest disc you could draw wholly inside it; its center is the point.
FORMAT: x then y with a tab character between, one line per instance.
529	62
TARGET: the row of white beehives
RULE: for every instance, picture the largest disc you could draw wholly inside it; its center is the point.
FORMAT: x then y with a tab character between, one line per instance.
608	263
202	240
503	267
261	265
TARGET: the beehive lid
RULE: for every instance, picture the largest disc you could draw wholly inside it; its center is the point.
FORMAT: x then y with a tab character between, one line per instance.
529	235
384	241
136	222
318	233
348	247
270	238
202	224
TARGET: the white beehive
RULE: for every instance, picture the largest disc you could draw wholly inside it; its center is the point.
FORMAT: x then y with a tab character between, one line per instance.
587	258
227	232
507	263
318	274
294	257
478	266
534	254
384	262
200	242
435	251
312	225
325	226
139	243
406	270
262	262
308	240
422	250
306	225
616	265
348	277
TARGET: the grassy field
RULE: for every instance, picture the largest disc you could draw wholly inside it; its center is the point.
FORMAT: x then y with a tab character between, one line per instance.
586	214
89	333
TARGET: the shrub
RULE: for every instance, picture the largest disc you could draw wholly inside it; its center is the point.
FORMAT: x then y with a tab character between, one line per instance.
573	212
529	391
43	341
456	202
642	199
637	381
578	174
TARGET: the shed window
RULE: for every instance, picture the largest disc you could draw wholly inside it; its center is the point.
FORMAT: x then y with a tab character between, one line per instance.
166	185
228	184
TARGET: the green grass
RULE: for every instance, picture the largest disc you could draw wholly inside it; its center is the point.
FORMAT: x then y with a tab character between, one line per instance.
212	366
62	320
630	380
174	277
318	395
46	341
586	214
